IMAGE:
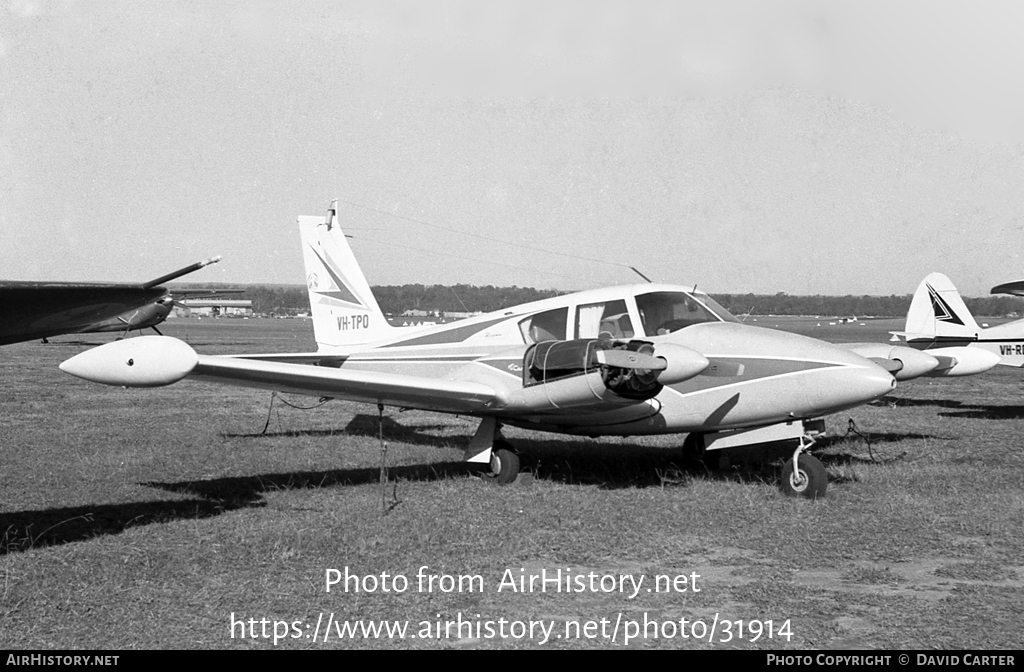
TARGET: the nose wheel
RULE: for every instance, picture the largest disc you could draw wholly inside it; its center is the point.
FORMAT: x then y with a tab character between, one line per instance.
504	463
804	475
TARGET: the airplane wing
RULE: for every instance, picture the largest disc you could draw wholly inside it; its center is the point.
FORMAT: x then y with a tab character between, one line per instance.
603	383
193	293
150	361
451	396
314	358
1016	288
31	310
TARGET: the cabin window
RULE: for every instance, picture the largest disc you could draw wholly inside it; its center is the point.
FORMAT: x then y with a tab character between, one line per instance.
665	312
605	320
546	326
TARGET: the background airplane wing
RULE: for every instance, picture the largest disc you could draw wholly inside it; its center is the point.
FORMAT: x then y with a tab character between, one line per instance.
1016	288
31	310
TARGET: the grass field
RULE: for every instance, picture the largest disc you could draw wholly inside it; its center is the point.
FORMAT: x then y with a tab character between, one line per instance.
152	518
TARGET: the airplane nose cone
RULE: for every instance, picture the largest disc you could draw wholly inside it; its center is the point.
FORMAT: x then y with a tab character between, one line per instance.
851	380
877	383
853	385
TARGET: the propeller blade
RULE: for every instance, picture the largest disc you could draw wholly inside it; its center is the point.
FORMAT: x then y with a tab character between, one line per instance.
629	359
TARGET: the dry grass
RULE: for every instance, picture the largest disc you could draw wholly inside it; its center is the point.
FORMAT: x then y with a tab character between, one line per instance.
145	518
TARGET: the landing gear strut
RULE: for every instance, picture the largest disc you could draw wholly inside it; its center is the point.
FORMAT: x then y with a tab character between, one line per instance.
804	475
504	463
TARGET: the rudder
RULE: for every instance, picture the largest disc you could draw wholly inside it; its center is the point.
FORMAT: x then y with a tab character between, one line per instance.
937	311
344	310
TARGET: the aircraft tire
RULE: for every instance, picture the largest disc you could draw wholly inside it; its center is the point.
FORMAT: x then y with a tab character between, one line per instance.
811	482
693	447
504	463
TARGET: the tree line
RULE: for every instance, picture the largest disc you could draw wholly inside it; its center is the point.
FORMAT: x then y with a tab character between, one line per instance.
846	306
396	299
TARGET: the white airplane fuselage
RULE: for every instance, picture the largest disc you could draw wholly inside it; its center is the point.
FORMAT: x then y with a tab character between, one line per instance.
754	377
784	377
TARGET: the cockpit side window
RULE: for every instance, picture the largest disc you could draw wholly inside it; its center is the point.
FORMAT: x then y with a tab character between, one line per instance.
665	312
603	320
546	326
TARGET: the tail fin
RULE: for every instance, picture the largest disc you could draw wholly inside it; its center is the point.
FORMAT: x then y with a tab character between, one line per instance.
937	310
345	313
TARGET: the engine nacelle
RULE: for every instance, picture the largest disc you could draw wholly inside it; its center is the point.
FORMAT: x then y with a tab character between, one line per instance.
564	374
962	361
903	362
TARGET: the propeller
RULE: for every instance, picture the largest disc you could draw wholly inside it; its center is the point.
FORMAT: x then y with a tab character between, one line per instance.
630	359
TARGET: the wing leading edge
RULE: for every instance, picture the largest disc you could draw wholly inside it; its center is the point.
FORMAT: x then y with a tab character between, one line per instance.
149	361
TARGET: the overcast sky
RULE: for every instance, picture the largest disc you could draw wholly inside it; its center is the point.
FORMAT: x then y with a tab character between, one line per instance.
806	147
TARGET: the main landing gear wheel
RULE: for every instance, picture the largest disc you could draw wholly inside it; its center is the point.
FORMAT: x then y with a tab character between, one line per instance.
693	447
808	480
504	463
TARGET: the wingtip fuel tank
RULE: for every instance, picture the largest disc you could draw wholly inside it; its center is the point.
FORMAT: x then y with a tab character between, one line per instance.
145	361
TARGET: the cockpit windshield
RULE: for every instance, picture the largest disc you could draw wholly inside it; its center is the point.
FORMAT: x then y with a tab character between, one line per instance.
665	312
717	308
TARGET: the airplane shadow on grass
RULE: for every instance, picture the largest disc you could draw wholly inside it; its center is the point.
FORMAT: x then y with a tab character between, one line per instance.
26	530
369	426
960	409
565	460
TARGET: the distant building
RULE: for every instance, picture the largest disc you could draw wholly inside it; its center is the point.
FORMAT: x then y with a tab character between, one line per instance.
216	307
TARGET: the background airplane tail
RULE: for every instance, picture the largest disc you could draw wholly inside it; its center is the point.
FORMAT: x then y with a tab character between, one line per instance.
344	310
937	310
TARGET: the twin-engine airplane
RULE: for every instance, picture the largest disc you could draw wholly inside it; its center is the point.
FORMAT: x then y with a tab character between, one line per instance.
631	360
939	323
31	310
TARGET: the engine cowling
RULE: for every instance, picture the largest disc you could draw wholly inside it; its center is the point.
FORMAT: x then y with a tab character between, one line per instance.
564	374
